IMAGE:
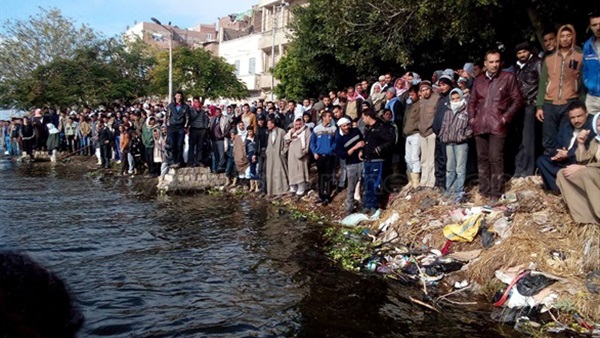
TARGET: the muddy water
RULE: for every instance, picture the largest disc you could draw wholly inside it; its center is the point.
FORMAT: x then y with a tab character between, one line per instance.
195	266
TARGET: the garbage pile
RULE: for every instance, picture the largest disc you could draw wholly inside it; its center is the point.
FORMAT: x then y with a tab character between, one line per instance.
524	253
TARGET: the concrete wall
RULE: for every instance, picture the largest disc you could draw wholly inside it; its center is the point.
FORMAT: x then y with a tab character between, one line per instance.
190	179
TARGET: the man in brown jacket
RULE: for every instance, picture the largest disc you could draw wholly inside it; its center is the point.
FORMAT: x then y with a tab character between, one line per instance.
560	83
493	103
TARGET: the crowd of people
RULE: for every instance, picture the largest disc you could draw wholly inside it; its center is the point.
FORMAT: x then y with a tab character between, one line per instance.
433	133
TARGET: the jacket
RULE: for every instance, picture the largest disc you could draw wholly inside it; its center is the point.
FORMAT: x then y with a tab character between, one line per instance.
565	137
455	126
591	68
379	141
148	134
220	130
491	100
411	120
528	76
321	140
427	114
560	79
199	119
442	106
178	118
343	143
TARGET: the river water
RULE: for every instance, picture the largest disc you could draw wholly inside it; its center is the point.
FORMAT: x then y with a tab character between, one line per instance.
193	266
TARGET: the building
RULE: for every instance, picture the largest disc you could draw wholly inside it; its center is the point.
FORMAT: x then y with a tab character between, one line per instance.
264	28
157	35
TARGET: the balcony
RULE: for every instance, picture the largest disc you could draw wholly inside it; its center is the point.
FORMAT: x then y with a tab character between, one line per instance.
265	81
266	39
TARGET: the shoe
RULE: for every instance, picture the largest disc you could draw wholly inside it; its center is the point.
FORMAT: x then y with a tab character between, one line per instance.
339	189
319	200
235	182
326	202
174	165
119	162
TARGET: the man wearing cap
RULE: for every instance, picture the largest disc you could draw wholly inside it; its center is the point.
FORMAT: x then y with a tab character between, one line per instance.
527	68
427	107
322	147
494	101
348	143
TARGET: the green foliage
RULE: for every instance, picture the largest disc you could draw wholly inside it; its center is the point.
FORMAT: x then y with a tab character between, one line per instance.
198	73
339	42
347	247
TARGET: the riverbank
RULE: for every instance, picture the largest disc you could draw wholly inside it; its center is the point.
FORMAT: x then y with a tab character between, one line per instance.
535	229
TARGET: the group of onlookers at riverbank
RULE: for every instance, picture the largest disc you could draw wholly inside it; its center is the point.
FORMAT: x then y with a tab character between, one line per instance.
478	120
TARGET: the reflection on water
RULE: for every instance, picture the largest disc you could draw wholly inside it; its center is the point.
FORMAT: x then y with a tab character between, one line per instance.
198	265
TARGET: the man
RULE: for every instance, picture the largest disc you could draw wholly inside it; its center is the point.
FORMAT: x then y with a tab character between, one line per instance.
105	138
528	76
378	144
591	65
560	81
387	82
549	37
580	183
445	85
579	120
276	164
322	147
219	127
493	103
410	130
199	121
261	148
427	137
297	141
348	143
365	86
177	120
290	115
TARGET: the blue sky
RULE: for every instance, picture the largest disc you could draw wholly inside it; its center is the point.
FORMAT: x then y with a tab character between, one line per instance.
111	17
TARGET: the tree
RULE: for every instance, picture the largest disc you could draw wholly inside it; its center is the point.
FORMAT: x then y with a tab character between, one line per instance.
367	38
198	73
37	41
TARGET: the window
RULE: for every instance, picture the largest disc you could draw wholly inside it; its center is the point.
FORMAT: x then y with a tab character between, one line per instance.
252	66
237	67
208	36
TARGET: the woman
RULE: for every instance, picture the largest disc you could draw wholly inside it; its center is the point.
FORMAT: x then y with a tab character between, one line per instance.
307	119
53	142
123	148
27	135
160	153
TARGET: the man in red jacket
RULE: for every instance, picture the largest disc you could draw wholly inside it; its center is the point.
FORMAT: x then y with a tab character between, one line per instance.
493	103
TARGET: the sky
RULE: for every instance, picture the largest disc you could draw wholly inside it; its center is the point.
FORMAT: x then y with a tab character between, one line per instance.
111	17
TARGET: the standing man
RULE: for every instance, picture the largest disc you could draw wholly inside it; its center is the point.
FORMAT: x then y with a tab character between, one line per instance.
261	150
560	84
549	37
148	130
219	127
322	147
591	65
445	85
199	121
177	120
297	142
494	101
379	142
528	76
276	171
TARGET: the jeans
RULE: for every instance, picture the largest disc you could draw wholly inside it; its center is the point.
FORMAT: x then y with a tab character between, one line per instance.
106	154
554	117
131	162
456	167
196	140
353	173
325	168
525	159
490	163
231	169
175	137
85	146
343	173
118	149
372	182
428	160
440	163
413	153
219	155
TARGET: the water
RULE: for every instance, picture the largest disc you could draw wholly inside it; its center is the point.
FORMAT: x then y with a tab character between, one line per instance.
195	266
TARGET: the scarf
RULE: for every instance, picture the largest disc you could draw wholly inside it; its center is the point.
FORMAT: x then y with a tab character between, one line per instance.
242	134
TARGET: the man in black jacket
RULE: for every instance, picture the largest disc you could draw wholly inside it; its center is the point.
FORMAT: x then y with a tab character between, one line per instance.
261	147
528	69
379	142
177	120
105	139
199	121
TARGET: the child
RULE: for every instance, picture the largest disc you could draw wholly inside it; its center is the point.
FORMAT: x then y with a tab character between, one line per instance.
253	159
455	133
